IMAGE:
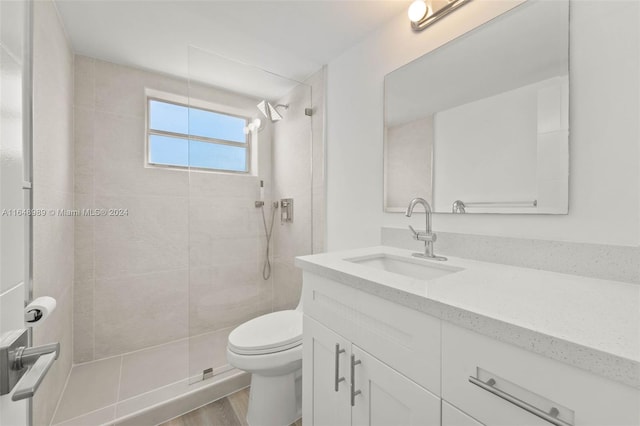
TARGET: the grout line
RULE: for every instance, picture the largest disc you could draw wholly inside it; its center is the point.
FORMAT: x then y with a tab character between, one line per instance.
119	380
64	390
155	346
88	413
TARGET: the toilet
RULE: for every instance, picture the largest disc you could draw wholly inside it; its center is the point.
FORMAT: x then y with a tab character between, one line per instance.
270	348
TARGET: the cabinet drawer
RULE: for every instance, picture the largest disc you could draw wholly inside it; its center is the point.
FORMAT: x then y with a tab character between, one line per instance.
584	399
405	339
451	416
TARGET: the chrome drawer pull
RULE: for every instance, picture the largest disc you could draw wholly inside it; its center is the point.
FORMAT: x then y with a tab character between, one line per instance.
551	416
338	379
354	392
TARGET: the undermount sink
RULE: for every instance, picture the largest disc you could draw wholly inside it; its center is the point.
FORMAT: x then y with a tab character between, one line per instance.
414	268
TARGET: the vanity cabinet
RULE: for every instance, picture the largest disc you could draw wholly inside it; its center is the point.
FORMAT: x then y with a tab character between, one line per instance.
384	341
412	368
345	385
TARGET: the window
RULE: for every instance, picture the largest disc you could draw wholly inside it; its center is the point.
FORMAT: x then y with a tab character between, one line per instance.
182	136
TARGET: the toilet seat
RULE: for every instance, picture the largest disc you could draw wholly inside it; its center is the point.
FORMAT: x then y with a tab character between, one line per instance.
270	333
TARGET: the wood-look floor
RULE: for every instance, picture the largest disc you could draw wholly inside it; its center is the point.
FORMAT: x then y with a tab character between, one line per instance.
229	411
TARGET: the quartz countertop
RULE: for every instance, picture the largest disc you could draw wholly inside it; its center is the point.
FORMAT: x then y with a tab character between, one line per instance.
593	324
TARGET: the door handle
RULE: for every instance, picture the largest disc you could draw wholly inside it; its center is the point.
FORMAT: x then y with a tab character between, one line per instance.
23	368
30	382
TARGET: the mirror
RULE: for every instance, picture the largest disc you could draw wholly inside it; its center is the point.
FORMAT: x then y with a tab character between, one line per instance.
481	124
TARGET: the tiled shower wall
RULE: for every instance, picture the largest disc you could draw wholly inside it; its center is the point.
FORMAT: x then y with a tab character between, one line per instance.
52	189
298	173
187	258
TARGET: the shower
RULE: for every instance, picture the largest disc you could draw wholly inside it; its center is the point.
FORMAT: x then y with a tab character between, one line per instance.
270	111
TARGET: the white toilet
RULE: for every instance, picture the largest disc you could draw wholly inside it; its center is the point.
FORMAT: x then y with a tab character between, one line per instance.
270	348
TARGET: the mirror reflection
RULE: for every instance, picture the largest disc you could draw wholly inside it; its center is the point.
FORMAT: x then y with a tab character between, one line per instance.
481	125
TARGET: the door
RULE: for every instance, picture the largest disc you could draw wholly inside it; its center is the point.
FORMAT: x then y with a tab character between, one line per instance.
325	396
14	171
387	398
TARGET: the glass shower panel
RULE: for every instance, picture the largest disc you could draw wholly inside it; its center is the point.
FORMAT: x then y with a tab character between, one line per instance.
227	238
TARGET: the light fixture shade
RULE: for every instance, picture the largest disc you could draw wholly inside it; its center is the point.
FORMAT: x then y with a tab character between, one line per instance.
417	10
424	13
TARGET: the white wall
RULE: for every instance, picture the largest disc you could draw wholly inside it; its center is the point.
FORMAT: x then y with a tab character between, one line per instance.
604	205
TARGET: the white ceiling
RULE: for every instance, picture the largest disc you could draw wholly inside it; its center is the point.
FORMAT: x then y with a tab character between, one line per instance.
292	38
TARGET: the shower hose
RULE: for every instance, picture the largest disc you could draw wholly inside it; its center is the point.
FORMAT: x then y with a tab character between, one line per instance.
266	269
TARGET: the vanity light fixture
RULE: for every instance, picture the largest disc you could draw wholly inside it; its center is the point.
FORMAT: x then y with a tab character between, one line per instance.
424	13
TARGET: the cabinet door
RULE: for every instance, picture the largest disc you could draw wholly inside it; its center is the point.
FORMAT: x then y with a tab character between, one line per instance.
388	398
325	365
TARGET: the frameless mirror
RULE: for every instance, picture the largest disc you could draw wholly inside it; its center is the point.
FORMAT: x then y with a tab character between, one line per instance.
481	124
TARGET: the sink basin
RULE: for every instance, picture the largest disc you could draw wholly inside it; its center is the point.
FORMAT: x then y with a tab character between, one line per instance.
409	267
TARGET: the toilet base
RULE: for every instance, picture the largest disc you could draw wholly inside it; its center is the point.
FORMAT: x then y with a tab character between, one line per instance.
275	400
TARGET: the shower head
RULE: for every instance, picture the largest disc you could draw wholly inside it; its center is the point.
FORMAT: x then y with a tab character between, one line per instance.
271	111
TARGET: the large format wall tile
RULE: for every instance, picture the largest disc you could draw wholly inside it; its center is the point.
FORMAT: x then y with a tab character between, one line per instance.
226	296
84	81
121	90
151	237
53	175
293	239
83	336
287	286
119	159
83	150
137	311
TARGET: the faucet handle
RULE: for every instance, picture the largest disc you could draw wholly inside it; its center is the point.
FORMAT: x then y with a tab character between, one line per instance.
416	234
422	236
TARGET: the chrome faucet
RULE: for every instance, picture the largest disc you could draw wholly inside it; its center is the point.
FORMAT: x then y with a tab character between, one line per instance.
428	236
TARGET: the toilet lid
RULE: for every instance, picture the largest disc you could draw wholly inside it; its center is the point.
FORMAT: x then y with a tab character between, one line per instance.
269	333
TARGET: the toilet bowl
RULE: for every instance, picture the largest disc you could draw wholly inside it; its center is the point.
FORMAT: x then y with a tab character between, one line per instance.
270	348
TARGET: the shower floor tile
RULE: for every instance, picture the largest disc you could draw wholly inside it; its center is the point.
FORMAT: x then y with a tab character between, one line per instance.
106	390
90	387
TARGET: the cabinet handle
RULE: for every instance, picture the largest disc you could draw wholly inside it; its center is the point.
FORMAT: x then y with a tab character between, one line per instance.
551	416
354	392
338	379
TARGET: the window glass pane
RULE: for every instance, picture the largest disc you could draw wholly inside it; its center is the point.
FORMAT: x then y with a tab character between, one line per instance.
169	151
219	126
215	156
168	117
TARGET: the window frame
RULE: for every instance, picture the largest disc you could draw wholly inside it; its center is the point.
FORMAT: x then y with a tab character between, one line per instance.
149	132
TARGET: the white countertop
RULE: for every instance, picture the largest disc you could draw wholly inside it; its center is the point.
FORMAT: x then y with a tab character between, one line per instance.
593	324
